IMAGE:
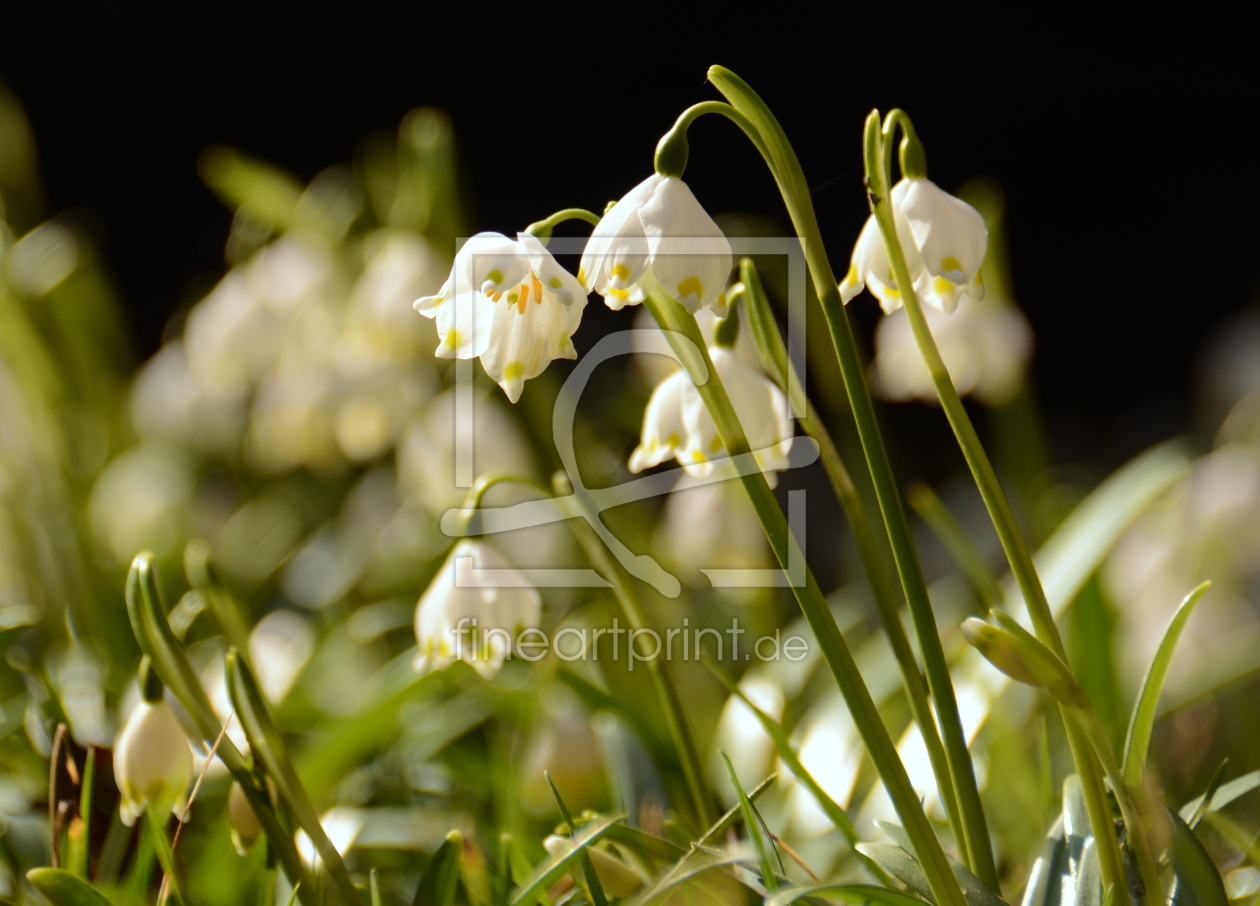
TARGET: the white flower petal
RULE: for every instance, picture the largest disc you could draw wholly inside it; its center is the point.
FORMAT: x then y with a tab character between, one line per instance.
460	616
490	263
690	255
950	234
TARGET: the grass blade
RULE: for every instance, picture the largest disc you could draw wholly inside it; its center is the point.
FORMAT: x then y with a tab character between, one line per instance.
1226	794
752	822
61	888
441	875
856	894
546	872
1143	719
264	741
594	889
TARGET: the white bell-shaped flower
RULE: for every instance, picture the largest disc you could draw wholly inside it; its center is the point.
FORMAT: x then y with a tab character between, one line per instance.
153	763
658	235
474	610
986	347
944	240
677	425
510	303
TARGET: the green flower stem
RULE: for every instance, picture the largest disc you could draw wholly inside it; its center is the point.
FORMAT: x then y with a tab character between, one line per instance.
153	633
1132	802
662	679
787	172
685	747
543	228
1003	518
774	356
681	330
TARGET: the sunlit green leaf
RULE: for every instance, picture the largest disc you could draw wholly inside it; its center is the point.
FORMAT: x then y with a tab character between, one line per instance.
1143	719
65	889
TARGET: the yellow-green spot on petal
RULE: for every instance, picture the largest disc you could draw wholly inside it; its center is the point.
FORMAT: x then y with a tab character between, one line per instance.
555	283
581	275
715	444
513	297
453	339
495	276
852	278
689	286
673	440
513	370
620	272
943	285
951	264
620	294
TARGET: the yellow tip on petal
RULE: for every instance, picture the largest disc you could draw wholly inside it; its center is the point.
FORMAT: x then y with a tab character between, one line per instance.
620	272
513	371
691	285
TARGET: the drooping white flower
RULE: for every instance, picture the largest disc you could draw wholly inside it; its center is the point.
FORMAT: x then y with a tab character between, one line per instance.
474	610
658	235
152	762
944	240
676	424
510	303
985	346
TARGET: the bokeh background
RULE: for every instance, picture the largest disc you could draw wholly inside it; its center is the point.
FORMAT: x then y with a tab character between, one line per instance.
297	423
1125	144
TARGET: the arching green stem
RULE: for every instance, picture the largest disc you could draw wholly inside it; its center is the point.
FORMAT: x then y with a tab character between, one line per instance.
680	327
774	356
544	228
878	176
786	168
673	149
685	747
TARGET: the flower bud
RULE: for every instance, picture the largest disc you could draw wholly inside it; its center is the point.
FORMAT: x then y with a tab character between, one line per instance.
152	762
1024	659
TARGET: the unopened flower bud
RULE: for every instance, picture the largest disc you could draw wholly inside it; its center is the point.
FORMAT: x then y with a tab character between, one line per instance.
1024	659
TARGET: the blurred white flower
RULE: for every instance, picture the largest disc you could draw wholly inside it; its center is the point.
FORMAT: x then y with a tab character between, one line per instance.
44	257
152	762
658	235
140	502
242	819
168	403
471	617
342	825
741	737
712	526
986	347
380	322
426	455
279	646
511	304
1205	528
677	425
656	367
944	240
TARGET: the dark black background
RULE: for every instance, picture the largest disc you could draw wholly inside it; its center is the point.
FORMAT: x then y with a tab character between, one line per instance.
1127	146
